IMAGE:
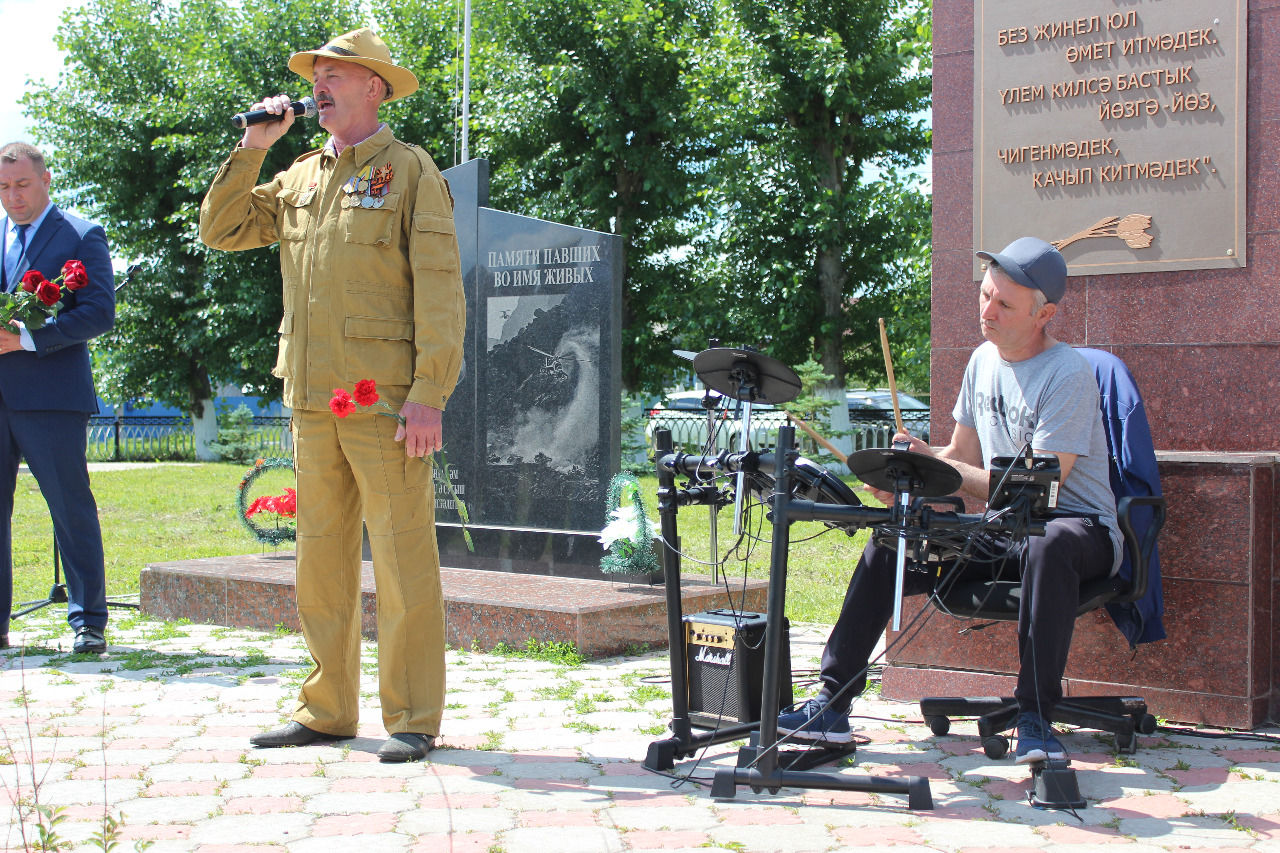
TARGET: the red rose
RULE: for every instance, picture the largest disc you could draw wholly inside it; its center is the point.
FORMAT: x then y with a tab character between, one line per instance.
31	280
74	275
366	392
48	293
341	404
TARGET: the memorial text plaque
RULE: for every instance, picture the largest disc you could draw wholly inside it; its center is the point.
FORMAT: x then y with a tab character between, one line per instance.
1113	128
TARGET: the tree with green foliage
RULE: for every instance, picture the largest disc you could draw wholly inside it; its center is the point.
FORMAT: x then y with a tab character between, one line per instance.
586	117
138	119
817	109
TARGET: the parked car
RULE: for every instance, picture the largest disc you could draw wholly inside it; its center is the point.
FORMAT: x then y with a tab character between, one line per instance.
683	413
875	406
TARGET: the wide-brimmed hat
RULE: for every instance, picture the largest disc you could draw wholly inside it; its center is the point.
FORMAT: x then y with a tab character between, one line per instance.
1032	262
363	47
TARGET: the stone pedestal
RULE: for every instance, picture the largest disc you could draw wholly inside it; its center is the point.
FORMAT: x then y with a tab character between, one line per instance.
1216	666
482	608
1204	346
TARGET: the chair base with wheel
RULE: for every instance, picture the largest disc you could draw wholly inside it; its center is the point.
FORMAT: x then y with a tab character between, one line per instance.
1125	717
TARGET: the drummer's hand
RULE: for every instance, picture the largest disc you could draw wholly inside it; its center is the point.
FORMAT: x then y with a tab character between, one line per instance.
917	446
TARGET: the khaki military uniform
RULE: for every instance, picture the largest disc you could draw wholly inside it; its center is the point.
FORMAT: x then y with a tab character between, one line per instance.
372	290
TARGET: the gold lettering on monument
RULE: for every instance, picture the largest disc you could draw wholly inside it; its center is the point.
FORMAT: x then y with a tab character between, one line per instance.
1143	103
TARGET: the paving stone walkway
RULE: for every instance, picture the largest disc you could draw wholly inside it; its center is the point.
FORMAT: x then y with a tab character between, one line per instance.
535	756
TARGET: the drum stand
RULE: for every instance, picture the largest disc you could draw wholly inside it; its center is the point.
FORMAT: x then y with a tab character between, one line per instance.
759	765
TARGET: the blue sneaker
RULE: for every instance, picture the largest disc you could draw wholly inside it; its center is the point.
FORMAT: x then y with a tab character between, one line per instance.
811	723
1036	740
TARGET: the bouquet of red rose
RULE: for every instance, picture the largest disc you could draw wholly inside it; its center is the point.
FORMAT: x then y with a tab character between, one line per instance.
38	299
366	396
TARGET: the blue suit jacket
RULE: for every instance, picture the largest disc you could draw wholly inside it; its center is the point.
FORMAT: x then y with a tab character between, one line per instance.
58	376
1133	472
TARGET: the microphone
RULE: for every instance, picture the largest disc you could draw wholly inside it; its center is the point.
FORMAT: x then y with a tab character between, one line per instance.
305	107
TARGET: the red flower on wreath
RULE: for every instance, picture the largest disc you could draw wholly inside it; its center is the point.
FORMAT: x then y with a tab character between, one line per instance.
285	506
341	404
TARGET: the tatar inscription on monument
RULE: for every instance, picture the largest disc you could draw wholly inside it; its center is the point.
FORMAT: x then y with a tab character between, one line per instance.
1116	129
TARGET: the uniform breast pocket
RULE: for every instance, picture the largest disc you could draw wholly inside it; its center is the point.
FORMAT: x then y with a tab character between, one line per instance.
295	213
371	226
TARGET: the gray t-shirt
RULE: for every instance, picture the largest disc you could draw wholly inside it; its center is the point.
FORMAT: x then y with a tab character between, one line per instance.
1050	400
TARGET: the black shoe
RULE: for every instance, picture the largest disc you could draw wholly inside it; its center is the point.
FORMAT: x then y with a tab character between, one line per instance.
292	734
89	641
4	641
406	746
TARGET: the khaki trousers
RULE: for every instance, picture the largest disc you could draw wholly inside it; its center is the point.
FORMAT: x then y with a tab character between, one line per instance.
352	469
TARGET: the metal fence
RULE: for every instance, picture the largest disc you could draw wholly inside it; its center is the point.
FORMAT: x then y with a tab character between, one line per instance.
143	438
870	428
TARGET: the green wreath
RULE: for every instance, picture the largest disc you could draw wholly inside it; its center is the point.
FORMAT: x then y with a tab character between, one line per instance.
267	535
634	555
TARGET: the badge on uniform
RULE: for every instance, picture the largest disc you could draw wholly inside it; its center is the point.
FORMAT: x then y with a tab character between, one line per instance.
367	187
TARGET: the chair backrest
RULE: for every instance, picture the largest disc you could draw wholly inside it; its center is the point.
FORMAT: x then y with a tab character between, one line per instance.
1134	474
1133	595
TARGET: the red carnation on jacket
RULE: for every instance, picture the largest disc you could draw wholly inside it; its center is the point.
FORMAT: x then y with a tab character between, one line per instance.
366	392
341	404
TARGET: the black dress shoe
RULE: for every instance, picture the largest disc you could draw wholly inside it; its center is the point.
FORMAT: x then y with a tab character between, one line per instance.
406	746
4	641
89	641
293	734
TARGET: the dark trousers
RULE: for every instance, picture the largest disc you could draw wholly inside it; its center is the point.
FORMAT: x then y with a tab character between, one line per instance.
1052	568
53	445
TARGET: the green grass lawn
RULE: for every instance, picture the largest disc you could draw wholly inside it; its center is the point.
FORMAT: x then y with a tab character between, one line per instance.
819	564
149	515
180	512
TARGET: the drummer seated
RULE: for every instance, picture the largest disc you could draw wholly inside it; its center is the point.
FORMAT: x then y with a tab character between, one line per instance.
1020	387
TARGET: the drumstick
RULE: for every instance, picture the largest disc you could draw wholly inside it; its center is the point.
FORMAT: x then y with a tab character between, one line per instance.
893	385
844	460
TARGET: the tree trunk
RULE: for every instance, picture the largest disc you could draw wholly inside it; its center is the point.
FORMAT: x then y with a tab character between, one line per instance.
204	418
204	423
830	268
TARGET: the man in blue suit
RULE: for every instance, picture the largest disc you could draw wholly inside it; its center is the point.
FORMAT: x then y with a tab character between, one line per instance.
46	387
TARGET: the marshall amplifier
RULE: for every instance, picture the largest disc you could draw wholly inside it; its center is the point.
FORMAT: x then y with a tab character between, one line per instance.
725	654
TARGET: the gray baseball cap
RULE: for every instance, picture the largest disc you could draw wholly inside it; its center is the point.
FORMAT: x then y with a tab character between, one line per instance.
1032	262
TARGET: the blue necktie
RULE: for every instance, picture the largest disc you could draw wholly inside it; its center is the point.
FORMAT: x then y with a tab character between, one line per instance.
13	259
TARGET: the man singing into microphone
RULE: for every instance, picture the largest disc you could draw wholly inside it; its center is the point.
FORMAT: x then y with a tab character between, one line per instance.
372	290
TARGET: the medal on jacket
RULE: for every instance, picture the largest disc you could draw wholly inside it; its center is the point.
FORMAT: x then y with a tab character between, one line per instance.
367	187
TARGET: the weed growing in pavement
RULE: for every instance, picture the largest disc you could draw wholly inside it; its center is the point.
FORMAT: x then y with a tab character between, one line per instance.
648	693
37	823
551	651
563	691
